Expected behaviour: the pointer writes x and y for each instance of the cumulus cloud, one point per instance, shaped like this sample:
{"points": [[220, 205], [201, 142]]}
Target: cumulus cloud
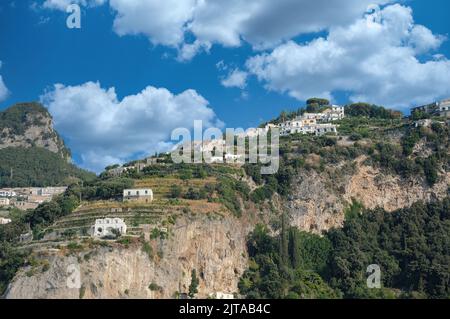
{"points": [[105, 130], [262, 23], [235, 78], [374, 58], [4, 92]]}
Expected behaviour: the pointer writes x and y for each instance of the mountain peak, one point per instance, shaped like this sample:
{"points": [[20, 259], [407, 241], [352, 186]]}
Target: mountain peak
{"points": [[30, 125]]}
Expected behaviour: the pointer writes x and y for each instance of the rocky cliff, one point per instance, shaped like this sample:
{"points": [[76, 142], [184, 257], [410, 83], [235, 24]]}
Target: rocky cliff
{"points": [[214, 247], [30, 125], [318, 200]]}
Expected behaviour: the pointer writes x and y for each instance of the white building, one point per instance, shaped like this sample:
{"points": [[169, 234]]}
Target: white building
{"points": [[104, 227], [144, 195], [322, 129], [233, 158], [313, 123], [215, 159], [52, 191], [444, 108], [7, 193], [4, 221], [4, 201]]}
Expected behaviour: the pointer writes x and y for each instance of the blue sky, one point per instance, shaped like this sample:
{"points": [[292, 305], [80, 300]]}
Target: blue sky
{"points": [[395, 55]]}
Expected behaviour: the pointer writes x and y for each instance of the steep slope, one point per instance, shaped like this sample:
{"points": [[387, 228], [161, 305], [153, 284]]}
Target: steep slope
{"points": [[31, 152], [386, 163], [214, 248], [318, 200], [30, 125]]}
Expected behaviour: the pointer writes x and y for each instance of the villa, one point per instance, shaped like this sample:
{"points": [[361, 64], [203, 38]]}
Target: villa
{"points": [[105, 227], [143, 195], [441, 108]]}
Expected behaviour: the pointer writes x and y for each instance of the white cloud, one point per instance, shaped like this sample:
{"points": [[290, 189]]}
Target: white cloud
{"points": [[262, 23], [105, 130], [4, 92], [375, 59], [63, 4], [163, 22], [235, 78]]}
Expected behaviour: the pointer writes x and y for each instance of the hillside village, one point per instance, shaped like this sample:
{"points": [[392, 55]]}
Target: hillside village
{"points": [[150, 201], [26, 198]]}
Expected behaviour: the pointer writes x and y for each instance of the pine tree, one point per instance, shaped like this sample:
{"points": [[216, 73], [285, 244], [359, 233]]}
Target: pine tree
{"points": [[193, 287], [284, 242]]}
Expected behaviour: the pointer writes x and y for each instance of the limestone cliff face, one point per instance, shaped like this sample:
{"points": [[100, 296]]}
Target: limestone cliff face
{"points": [[27, 125], [319, 199], [215, 248]]}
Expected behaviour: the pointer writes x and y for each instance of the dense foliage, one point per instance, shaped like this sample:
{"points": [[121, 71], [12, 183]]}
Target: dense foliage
{"points": [[107, 188], [10, 261], [19, 117], [371, 111], [25, 167], [286, 272], [411, 246]]}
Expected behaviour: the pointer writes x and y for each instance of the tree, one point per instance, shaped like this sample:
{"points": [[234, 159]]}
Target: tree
{"points": [[175, 191], [318, 101], [193, 287]]}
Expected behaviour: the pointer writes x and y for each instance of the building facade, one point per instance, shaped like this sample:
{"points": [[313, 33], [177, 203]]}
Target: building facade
{"points": [[4, 201], [108, 226], [441, 108], [7, 193], [143, 195], [4, 221], [314, 123]]}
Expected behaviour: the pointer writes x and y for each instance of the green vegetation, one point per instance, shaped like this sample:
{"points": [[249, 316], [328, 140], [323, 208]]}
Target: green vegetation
{"points": [[10, 261], [272, 275], [411, 246], [19, 117], [103, 188], [35, 166], [371, 111], [193, 287], [146, 248], [155, 287]]}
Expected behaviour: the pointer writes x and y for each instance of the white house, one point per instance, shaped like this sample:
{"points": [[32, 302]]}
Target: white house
{"points": [[313, 123], [4, 201], [104, 227], [215, 159], [144, 195], [4, 221], [7, 193], [233, 158], [322, 129], [444, 108]]}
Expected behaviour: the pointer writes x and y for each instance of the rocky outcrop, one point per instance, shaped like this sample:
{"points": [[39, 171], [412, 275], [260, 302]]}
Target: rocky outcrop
{"points": [[214, 248], [318, 200], [27, 125]]}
